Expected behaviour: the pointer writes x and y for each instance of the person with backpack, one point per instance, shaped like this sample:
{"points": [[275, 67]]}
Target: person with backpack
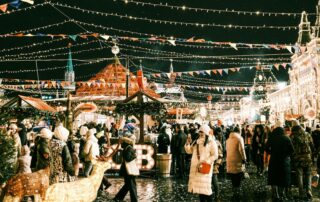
{"points": [[302, 159]]}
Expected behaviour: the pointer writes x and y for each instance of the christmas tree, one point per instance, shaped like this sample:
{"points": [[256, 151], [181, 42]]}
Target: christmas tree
{"points": [[7, 153]]}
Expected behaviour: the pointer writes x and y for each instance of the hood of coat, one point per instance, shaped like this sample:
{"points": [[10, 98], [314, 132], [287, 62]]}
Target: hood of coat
{"points": [[234, 135]]}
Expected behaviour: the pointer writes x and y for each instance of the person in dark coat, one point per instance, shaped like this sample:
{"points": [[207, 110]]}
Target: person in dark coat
{"points": [[316, 143], [280, 148], [257, 148], [181, 152], [128, 155], [163, 141], [22, 130], [173, 151]]}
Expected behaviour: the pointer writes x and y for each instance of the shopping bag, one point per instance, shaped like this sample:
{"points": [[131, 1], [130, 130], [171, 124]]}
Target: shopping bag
{"points": [[132, 168]]}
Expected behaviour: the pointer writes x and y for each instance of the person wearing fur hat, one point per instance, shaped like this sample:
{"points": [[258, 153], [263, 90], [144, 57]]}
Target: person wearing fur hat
{"points": [[128, 155], [61, 163], [90, 151], [25, 160], [204, 149], [42, 149]]}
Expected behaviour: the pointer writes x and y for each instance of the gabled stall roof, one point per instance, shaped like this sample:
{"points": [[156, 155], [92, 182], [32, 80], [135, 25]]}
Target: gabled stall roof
{"points": [[36, 103]]}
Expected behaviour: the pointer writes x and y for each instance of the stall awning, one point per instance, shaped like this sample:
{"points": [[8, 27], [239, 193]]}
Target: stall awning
{"points": [[37, 103], [289, 117]]}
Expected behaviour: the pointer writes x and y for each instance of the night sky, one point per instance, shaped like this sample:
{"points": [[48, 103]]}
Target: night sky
{"points": [[47, 15]]}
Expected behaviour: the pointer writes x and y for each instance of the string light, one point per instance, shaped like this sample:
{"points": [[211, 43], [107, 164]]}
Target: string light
{"points": [[31, 46], [158, 21], [181, 40], [49, 50], [217, 11], [25, 9], [24, 70]]}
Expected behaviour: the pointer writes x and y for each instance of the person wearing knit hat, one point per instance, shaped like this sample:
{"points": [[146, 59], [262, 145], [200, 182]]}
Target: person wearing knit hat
{"points": [[90, 151], [45, 133], [61, 133], [42, 144], [204, 149], [61, 162], [128, 155]]}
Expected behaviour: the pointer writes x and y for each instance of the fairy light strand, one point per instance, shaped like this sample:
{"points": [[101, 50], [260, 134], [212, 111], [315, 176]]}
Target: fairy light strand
{"points": [[219, 11], [168, 22]]}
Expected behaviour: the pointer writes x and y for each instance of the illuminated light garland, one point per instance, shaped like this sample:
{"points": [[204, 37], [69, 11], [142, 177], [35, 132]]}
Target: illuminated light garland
{"points": [[190, 92], [157, 21], [24, 9], [182, 40], [49, 50], [205, 10], [23, 70], [31, 46], [37, 28], [33, 92], [148, 50]]}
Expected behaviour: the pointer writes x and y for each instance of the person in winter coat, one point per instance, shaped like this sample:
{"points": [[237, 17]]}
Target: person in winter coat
{"points": [[90, 151], [257, 148], [302, 159], [181, 153], [204, 149], [128, 155], [163, 141], [13, 133], [216, 166], [43, 156], [316, 143], [61, 167], [280, 148], [25, 160], [236, 159]]}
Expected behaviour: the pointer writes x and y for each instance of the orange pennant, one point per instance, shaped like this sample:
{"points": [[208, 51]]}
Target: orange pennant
{"points": [[200, 41], [214, 71], [95, 35], [3, 7]]}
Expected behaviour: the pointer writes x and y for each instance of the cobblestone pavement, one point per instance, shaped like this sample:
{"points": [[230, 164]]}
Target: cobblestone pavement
{"points": [[254, 189]]}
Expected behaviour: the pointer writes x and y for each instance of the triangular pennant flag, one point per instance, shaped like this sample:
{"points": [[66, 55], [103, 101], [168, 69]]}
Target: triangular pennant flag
{"points": [[190, 73], [200, 41], [284, 65], [4, 7], [106, 37], [179, 74], [233, 45], [250, 67], [158, 75], [276, 66], [250, 45], [218, 89], [275, 47], [202, 72], [238, 69], [190, 40], [220, 71], [208, 71], [172, 42], [95, 35], [168, 75], [226, 70], [15, 4], [214, 71], [73, 37], [28, 1], [84, 36], [233, 69]]}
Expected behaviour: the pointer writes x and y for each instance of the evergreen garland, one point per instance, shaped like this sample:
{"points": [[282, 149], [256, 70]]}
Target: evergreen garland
{"points": [[134, 108], [7, 154]]}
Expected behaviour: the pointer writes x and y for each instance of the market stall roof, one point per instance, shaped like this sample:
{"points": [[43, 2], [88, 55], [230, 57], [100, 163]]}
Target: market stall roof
{"points": [[111, 81], [33, 102], [183, 111]]}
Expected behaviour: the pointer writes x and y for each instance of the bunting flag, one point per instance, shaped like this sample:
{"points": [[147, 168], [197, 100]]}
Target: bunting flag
{"points": [[172, 42], [15, 4], [214, 71], [4, 7], [105, 37], [276, 66], [233, 45], [226, 70], [220, 71], [73, 37], [28, 1], [190, 40], [208, 72]]}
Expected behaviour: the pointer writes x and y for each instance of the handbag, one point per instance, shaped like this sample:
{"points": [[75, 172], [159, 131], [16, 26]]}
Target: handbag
{"points": [[132, 168], [203, 167]]}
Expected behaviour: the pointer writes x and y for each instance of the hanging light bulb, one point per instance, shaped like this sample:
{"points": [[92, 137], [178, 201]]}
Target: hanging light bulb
{"points": [[115, 49]]}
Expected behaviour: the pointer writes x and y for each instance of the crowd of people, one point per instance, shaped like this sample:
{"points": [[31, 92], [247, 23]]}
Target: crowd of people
{"points": [[287, 155]]}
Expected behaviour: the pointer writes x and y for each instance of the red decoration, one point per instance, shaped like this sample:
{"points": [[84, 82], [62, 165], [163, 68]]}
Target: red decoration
{"points": [[140, 79], [209, 98]]}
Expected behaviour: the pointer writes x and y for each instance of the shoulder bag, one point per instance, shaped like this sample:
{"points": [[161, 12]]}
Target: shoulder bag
{"points": [[203, 167]]}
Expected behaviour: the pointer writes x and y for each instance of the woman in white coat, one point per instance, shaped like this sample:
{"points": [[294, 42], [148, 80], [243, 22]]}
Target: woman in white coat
{"points": [[236, 158], [208, 151]]}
